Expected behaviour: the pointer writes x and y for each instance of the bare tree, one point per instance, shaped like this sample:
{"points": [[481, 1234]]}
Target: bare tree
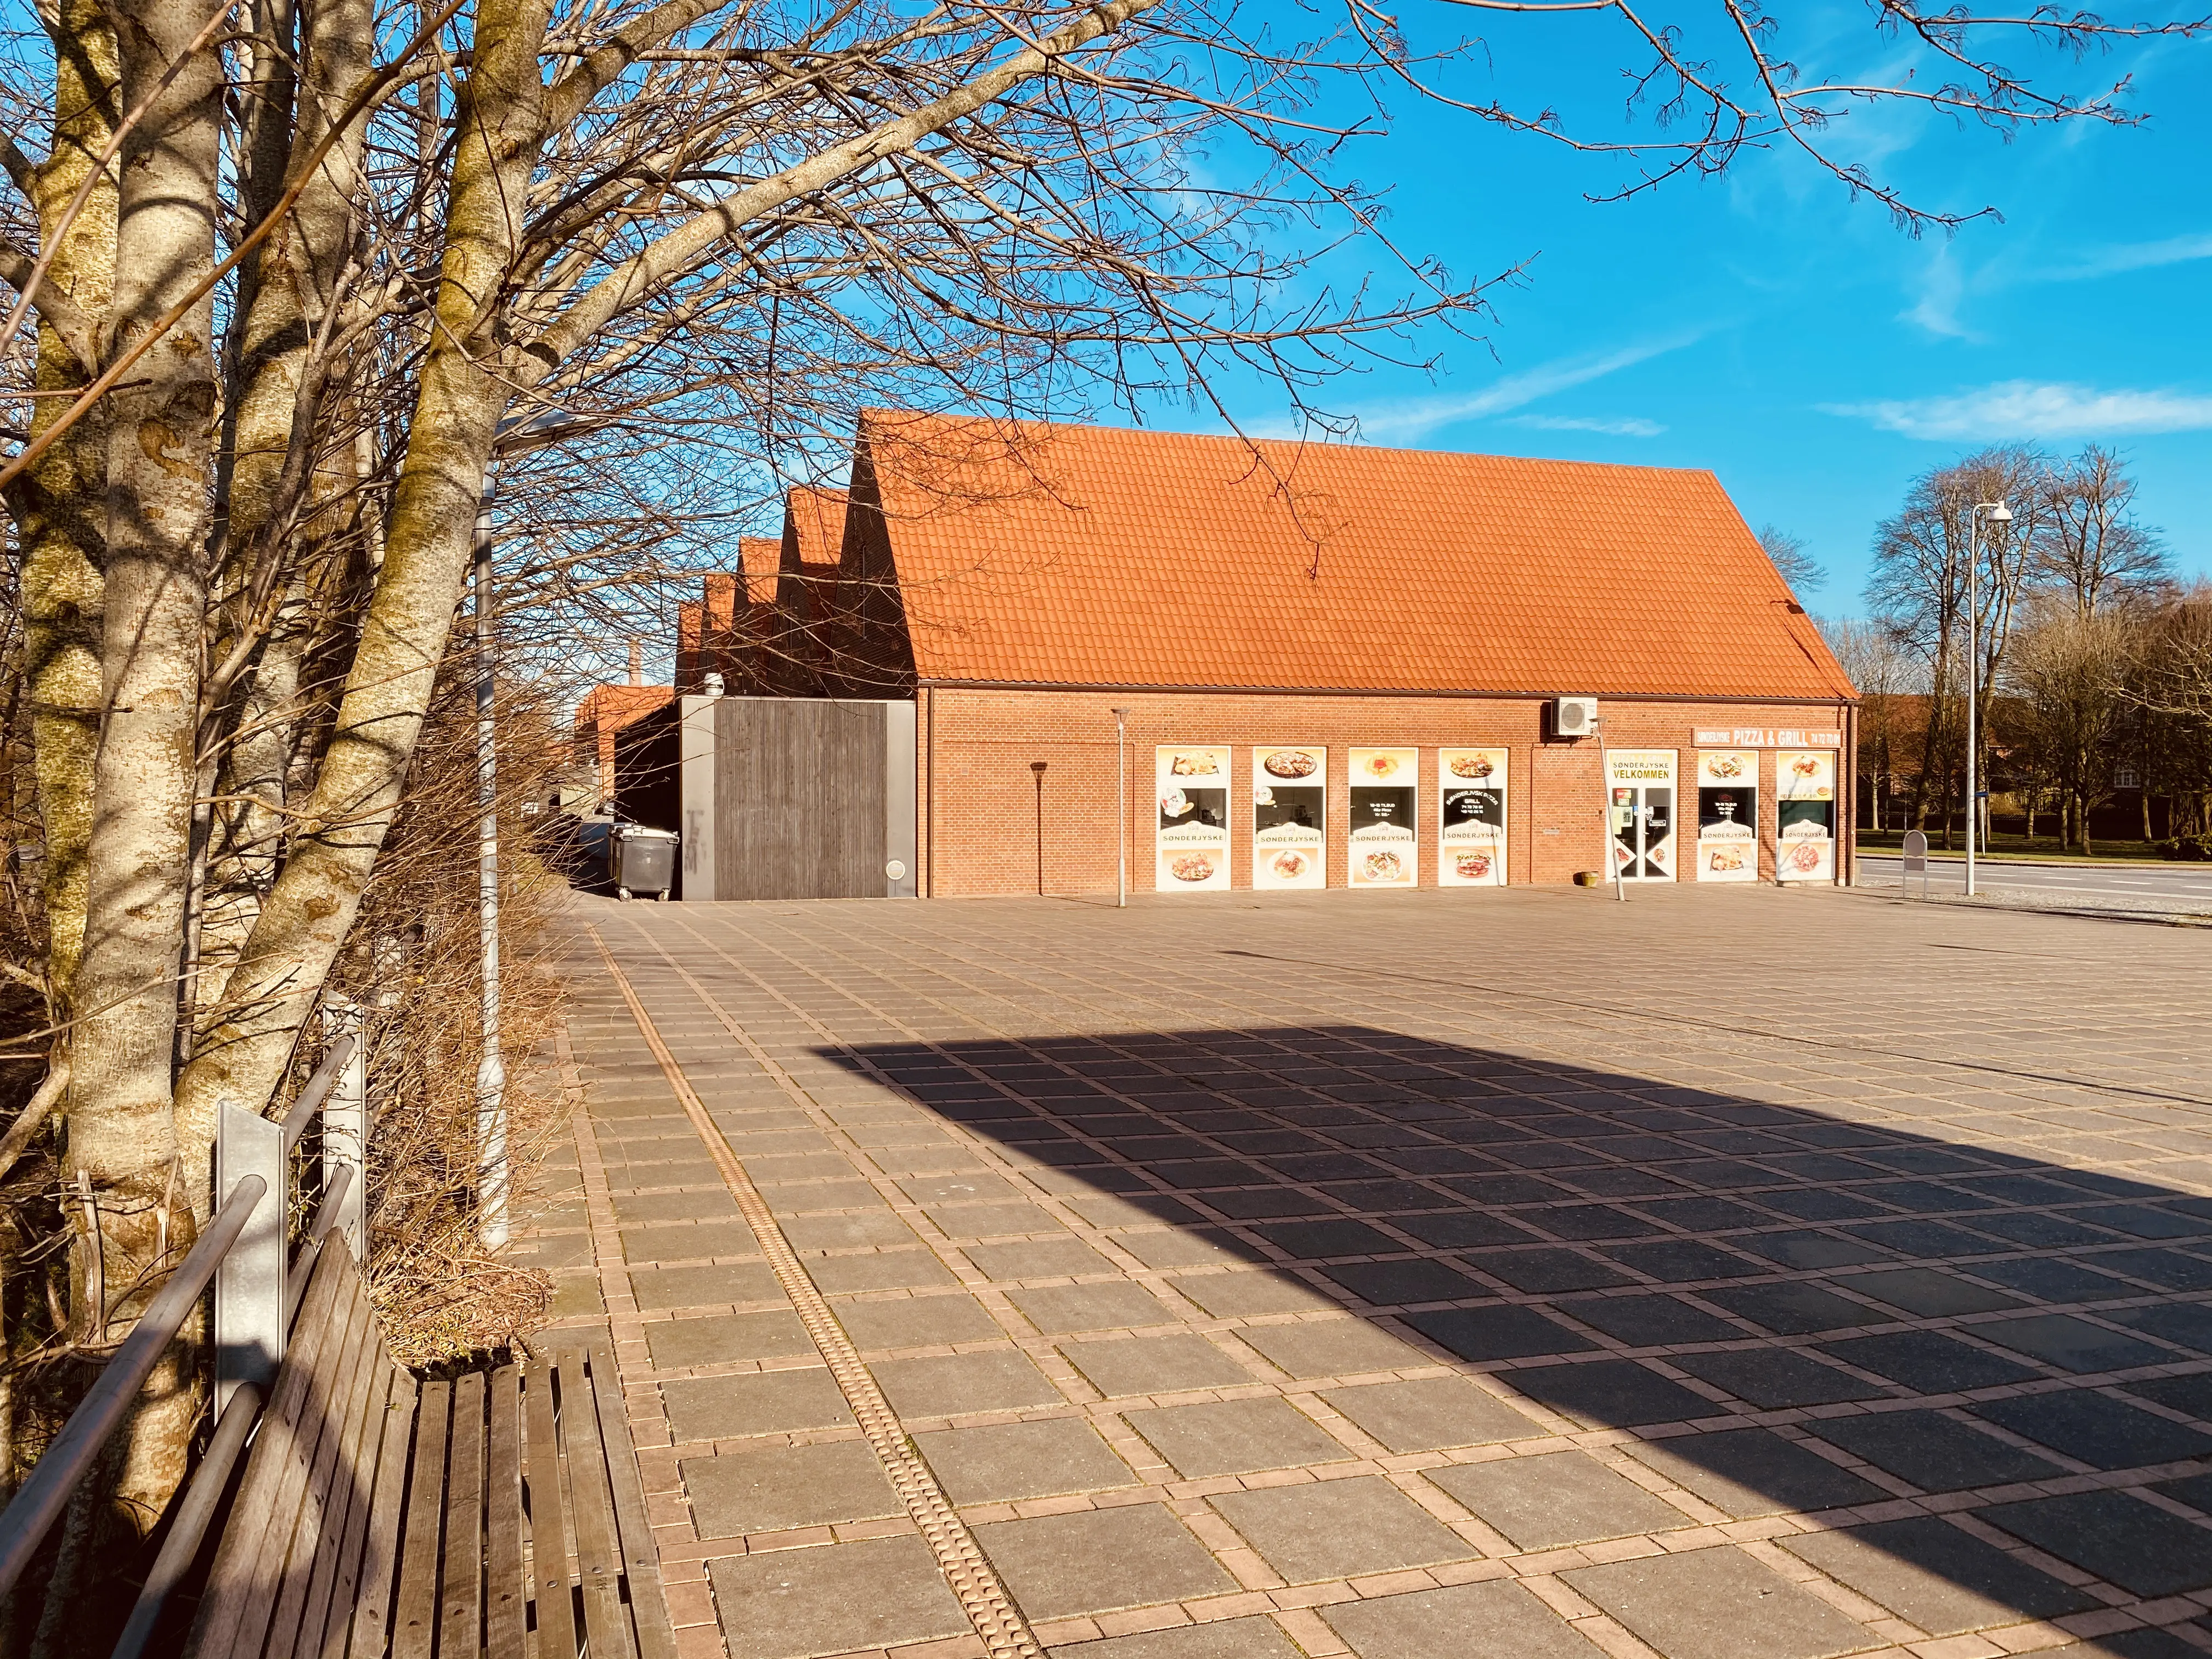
{"points": [[1918, 591], [2070, 669], [2090, 546], [1799, 568], [1887, 677]]}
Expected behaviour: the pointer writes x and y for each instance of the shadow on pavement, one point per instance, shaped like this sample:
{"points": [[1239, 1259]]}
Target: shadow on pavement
{"points": [[1793, 1313]]}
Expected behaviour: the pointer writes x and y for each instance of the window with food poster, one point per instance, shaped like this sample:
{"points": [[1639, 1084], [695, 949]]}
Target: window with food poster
{"points": [[1805, 815], [1384, 800], [1193, 837], [1727, 815], [1640, 808], [1289, 817], [1471, 817]]}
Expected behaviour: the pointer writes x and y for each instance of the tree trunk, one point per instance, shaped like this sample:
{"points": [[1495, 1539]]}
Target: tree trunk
{"points": [[61, 529], [428, 536], [123, 1150], [274, 554]]}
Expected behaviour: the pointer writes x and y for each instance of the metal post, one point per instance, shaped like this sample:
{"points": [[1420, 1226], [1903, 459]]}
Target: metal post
{"points": [[1122, 809], [250, 1315], [492, 1071], [345, 1125], [1973, 683], [1605, 819]]}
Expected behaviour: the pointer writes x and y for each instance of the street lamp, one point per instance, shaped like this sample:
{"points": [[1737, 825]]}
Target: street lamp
{"points": [[1122, 809], [1999, 513], [516, 435]]}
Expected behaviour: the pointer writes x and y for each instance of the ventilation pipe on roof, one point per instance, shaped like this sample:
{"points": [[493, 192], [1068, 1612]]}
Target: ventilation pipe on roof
{"points": [[637, 662], [713, 685]]}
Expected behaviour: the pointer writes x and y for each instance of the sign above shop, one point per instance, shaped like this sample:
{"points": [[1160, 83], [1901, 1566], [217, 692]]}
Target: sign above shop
{"points": [[1766, 736]]}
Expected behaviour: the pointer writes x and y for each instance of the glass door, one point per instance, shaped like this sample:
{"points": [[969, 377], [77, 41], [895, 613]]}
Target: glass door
{"points": [[1640, 791]]}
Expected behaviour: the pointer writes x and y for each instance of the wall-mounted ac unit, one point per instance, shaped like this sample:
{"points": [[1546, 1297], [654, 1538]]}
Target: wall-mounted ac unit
{"points": [[1574, 717]]}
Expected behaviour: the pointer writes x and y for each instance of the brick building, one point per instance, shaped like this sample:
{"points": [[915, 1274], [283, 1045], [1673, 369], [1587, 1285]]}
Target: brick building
{"points": [[1337, 665]]}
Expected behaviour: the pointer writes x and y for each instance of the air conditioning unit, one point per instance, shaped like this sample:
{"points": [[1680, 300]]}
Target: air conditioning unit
{"points": [[1574, 717]]}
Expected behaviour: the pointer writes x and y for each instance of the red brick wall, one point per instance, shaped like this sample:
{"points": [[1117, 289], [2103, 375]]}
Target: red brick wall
{"points": [[990, 824]]}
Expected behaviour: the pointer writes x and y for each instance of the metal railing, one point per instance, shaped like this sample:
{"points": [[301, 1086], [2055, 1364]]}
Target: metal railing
{"points": [[258, 1270]]}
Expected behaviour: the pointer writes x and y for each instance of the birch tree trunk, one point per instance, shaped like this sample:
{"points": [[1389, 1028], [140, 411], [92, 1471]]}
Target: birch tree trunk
{"points": [[122, 1145]]}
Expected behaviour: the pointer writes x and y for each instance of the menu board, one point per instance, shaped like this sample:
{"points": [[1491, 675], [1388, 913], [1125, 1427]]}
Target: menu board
{"points": [[1805, 815], [1192, 841], [1727, 815], [1640, 807], [1384, 789], [1290, 817], [1471, 825]]}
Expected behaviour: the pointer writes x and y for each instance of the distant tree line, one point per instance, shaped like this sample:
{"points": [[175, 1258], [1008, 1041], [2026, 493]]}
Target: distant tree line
{"points": [[2091, 664]]}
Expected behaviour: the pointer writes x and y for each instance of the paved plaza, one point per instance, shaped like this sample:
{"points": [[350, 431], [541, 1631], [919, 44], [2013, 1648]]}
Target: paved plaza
{"points": [[1734, 1273]]}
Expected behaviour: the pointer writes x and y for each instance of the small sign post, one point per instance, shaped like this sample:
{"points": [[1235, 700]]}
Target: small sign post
{"points": [[1916, 862]]}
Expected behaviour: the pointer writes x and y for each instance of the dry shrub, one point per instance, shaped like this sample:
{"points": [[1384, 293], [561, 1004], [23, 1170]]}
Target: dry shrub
{"points": [[415, 966]]}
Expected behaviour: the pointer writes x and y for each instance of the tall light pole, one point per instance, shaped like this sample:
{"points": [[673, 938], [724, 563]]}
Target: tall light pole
{"points": [[516, 435], [1999, 513], [1122, 809], [491, 1069]]}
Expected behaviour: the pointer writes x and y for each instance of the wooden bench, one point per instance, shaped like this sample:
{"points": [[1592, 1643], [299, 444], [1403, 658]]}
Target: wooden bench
{"points": [[499, 1513]]}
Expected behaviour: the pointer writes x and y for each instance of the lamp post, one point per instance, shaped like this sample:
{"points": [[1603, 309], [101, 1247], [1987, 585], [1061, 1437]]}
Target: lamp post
{"points": [[515, 436], [1122, 809], [1999, 513]]}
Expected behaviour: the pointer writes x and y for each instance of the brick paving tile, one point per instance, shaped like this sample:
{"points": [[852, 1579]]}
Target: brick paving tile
{"points": [[1233, 1638], [1470, 1621], [1095, 1561], [1543, 1502], [1840, 1291], [1339, 1528], [1718, 1604], [798, 1604], [1940, 1576]]}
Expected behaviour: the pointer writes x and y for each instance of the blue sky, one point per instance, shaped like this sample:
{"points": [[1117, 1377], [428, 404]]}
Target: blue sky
{"points": [[1764, 327]]}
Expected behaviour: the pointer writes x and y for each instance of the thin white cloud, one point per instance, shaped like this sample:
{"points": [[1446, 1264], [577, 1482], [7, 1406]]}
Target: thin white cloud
{"points": [[1417, 418], [1943, 290], [2133, 256], [1633, 427], [2031, 409]]}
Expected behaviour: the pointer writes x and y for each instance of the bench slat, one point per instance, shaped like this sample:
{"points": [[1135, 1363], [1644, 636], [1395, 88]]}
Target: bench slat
{"points": [[460, 1579], [414, 1623], [640, 1558], [548, 1543], [255, 1546], [369, 1630], [506, 1588], [332, 1607], [325, 1500], [598, 1569]]}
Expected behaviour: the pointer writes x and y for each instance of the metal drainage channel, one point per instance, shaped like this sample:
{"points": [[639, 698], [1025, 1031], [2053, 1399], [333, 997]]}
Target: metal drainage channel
{"points": [[972, 1578]]}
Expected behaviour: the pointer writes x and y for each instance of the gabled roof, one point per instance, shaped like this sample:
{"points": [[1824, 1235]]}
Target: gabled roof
{"points": [[1028, 553]]}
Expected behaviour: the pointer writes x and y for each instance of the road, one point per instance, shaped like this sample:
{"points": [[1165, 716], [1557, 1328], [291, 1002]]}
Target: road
{"points": [[2184, 887]]}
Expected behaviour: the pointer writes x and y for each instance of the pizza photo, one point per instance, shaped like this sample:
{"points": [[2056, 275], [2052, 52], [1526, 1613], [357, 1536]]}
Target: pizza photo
{"points": [[1383, 866], [1290, 863], [1191, 867], [1289, 763], [1471, 766]]}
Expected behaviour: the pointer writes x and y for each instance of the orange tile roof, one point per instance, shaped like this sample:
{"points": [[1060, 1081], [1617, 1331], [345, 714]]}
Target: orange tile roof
{"points": [[1047, 554]]}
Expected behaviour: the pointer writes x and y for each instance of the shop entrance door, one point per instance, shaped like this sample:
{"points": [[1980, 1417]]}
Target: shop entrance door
{"points": [[1641, 786]]}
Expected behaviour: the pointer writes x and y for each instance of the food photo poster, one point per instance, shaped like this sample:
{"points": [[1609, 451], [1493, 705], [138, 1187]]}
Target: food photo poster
{"points": [[1727, 815], [1290, 817], [1805, 815], [1192, 839], [1471, 817], [1383, 794]]}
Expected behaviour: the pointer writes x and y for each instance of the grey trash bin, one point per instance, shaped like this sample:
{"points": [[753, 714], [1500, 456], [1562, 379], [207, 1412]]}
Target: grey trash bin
{"points": [[644, 860]]}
